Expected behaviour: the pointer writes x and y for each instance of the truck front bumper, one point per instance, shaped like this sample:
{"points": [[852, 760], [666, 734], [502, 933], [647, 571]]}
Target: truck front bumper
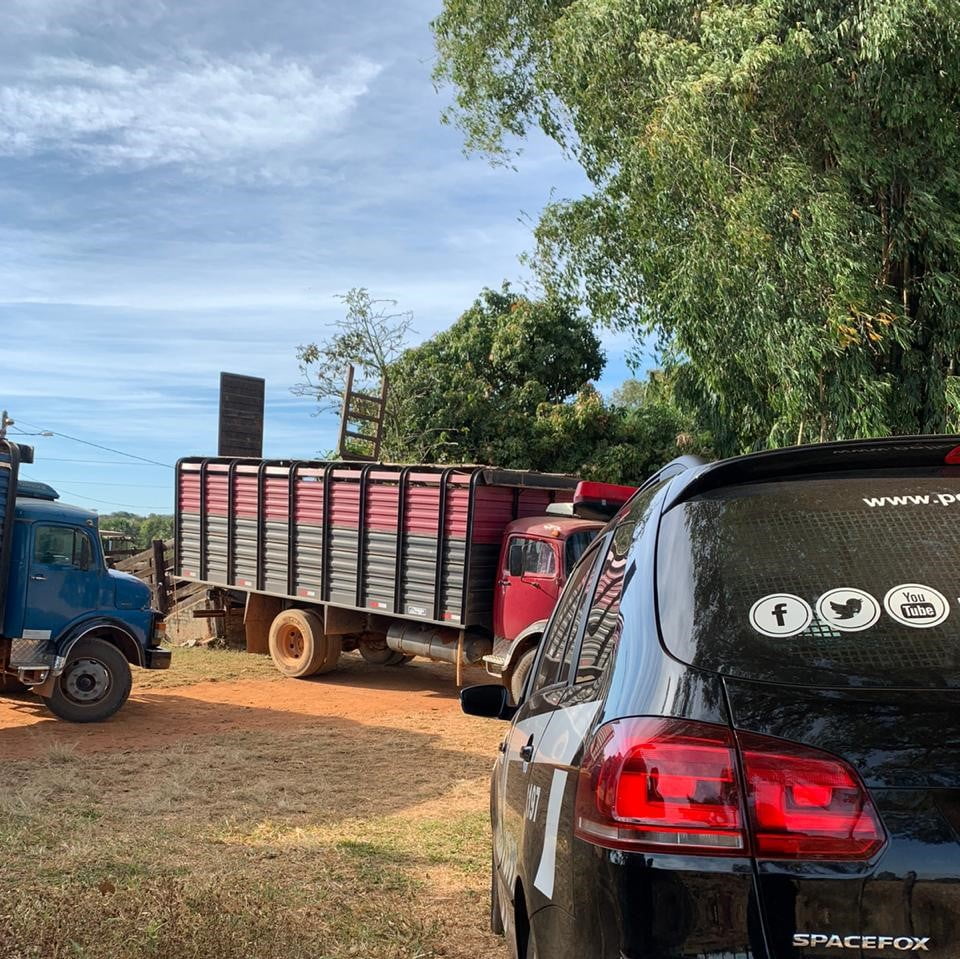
{"points": [[156, 658]]}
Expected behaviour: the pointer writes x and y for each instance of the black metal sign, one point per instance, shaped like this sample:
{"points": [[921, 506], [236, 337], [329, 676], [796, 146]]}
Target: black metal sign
{"points": [[241, 415]]}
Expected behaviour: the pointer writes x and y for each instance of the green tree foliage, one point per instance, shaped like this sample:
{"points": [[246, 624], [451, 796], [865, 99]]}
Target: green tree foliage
{"points": [[371, 336], [471, 392], [143, 530], [509, 384], [776, 190]]}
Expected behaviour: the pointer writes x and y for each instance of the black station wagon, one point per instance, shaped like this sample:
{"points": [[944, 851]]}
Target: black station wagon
{"points": [[741, 735]]}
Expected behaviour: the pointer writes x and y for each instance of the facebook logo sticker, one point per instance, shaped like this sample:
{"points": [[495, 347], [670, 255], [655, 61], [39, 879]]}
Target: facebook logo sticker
{"points": [[780, 614]]}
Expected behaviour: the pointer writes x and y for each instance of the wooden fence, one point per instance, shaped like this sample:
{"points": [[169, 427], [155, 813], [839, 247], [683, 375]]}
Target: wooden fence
{"points": [[154, 567]]}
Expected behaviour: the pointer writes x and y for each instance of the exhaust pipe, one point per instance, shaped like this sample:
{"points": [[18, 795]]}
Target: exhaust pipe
{"points": [[435, 642]]}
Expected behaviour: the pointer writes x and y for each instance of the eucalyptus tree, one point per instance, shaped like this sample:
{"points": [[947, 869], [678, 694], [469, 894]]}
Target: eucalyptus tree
{"points": [[775, 190]]}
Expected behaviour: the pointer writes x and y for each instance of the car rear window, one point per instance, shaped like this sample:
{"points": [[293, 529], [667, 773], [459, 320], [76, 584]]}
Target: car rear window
{"points": [[840, 581]]}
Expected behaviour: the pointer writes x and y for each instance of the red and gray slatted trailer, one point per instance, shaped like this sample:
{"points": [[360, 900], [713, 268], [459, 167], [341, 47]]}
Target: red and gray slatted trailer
{"points": [[411, 545]]}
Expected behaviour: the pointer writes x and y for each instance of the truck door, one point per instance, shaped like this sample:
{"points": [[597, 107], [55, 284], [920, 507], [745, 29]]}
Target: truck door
{"points": [[528, 586], [62, 582]]}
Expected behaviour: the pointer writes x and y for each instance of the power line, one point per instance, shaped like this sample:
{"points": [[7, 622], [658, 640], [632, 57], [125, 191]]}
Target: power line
{"points": [[108, 449], [60, 459], [74, 482], [107, 502]]}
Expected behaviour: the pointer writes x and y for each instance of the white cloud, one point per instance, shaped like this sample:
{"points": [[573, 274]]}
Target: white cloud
{"points": [[58, 17], [211, 115]]}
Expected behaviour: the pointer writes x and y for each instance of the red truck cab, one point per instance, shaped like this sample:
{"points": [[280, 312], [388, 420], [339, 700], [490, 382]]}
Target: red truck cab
{"points": [[536, 558], [535, 561]]}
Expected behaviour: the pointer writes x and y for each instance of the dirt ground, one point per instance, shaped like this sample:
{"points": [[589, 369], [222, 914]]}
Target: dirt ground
{"points": [[226, 812]]}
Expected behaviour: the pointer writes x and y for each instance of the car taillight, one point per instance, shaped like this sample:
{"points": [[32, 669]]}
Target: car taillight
{"points": [[661, 784], [672, 785], [805, 804]]}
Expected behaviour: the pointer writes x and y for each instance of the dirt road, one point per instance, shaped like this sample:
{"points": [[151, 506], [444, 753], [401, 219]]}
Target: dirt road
{"points": [[220, 816], [356, 692]]}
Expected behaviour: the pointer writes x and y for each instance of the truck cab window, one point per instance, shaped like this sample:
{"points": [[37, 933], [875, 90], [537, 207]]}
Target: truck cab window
{"points": [[82, 550], [62, 546], [531, 557], [53, 546], [576, 546]]}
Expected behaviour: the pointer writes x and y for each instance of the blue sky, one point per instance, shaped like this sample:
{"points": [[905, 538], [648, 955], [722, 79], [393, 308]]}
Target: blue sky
{"points": [[187, 187]]}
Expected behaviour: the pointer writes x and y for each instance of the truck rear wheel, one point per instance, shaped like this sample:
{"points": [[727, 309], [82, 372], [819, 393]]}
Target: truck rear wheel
{"points": [[94, 684], [298, 645], [380, 654]]}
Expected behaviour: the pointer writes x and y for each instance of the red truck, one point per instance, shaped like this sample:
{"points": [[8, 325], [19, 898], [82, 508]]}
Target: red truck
{"points": [[458, 564]]}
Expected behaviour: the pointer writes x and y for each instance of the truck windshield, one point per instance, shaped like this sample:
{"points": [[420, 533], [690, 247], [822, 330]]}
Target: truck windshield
{"points": [[828, 582], [576, 546]]}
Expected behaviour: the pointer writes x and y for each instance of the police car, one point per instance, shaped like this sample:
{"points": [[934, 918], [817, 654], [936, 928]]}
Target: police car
{"points": [[741, 735]]}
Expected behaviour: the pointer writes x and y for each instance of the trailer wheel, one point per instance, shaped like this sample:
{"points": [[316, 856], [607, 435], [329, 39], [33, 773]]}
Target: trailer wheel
{"points": [[94, 684], [519, 674], [298, 646]]}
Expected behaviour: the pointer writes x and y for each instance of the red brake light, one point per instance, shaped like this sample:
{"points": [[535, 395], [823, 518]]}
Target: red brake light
{"points": [[661, 784], [805, 804], [953, 457], [672, 785]]}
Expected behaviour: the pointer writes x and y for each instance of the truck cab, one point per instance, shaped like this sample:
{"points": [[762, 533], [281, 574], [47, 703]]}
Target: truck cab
{"points": [[536, 559], [69, 626]]}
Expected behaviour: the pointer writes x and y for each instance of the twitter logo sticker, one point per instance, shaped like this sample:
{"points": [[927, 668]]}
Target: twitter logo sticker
{"points": [[848, 610]]}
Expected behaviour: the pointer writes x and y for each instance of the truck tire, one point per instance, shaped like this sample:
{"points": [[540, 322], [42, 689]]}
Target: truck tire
{"points": [[334, 647], [94, 684], [377, 654], [519, 674], [298, 646]]}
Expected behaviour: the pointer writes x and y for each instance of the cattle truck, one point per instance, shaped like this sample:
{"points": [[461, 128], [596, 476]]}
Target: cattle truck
{"points": [[459, 564], [69, 626]]}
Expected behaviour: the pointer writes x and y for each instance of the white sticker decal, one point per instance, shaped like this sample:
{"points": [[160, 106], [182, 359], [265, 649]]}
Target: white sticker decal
{"points": [[848, 610], [546, 872], [780, 614], [914, 605]]}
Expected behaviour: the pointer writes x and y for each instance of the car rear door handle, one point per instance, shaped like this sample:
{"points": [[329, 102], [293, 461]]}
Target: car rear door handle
{"points": [[526, 752], [503, 582], [39, 578]]}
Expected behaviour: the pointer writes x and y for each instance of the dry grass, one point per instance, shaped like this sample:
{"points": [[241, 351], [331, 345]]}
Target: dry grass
{"points": [[201, 664], [336, 838]]}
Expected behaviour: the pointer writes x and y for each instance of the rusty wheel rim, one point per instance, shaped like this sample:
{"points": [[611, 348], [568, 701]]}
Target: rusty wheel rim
{"points": [[291, 645]]}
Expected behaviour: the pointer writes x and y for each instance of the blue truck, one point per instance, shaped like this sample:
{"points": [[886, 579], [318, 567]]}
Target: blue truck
{"points": [[69, 626]]}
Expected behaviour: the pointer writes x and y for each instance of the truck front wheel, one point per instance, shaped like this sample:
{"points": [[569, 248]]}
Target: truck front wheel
{"points": [[518, 675], [94, 684], [299, 647]]}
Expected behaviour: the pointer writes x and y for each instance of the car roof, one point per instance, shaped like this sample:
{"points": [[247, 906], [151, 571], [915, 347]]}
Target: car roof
{"points": [[894, 453]]}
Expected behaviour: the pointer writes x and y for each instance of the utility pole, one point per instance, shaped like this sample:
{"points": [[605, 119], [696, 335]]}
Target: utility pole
{"points": [[5, 421]]}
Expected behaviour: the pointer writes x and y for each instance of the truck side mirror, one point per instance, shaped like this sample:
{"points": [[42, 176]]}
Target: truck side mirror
{"points": [[488, 701], [515, 560]]}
